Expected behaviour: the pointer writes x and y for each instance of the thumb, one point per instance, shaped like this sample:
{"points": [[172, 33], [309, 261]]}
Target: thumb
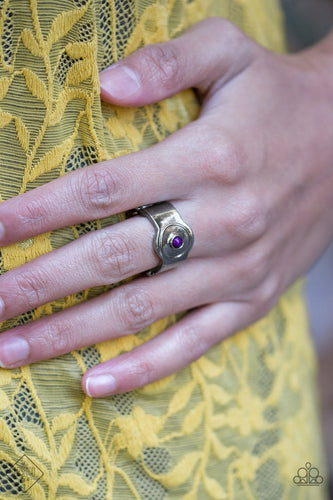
{"points": [[211, 51]]}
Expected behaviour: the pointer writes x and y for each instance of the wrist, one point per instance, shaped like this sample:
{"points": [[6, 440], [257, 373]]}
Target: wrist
{"points": [[320, 58], [312, 69]]}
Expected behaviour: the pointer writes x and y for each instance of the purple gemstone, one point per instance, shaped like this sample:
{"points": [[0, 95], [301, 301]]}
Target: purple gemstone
{"points": [[177, 242]]}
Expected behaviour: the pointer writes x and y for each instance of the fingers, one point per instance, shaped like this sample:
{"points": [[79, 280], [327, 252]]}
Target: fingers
{"points": [[100, 190], [168, 352], [100, 258], [120, 251], [211, 50], [121, 311], [195, 158]]}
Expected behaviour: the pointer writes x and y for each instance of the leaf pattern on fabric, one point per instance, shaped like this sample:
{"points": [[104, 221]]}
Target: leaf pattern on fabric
{"points": [[223, 427]]}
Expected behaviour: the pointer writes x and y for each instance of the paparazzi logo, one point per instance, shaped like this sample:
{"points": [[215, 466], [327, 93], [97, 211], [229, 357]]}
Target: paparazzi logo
{"points": [[308, 476]]}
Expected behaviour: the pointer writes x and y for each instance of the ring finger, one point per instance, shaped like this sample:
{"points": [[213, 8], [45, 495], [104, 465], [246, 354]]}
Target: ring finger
{"points": [[103, 257]]}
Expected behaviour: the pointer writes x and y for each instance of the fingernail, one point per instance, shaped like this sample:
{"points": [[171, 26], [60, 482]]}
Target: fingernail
{"points": [[118, 81], [2, 231], [100, 385], [12, 351]]}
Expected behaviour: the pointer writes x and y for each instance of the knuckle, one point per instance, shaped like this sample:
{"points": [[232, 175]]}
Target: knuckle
{"points": [[33, 212], [137, 309], [56, 338], [162, 63], [223, 162], [213, 22], [267, 294], [254, 266], [191, 341], [249, 221], [32, 288], [232, 31], [229, 32], [219, 23], [143, 371], [113, 256], [98, 189]]}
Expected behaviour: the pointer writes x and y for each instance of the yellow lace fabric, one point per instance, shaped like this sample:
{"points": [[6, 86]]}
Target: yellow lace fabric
{"points": [[236, 424]]}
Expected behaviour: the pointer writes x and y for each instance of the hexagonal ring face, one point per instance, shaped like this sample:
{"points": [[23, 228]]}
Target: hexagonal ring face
{"points": [[173, 237]]}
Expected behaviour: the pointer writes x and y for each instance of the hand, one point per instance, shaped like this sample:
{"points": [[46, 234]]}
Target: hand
{"points": [[252, 176]]}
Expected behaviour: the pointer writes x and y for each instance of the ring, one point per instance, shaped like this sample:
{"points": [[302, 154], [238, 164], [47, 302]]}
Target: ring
{"points": [[173, 237]]}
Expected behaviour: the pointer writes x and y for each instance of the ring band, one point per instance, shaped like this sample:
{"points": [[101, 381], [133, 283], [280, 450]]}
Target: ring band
{"points": [[173, 237]]}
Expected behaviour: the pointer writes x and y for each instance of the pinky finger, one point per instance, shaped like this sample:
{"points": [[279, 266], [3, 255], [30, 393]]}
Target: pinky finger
{"points": [[168, 352]]}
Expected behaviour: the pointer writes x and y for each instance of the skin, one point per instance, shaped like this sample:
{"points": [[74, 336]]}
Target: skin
{"points": [[252, 176]]}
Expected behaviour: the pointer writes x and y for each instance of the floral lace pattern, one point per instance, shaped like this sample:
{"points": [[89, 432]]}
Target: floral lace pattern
{"points": [[223, 427]]}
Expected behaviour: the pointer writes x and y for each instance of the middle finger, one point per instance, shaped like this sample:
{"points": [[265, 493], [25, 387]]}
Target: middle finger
{"points": [[99, 258], [104, 257]]}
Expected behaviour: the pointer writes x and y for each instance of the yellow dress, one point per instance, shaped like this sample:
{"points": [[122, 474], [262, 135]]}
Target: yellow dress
{"points": [[236, 424]]}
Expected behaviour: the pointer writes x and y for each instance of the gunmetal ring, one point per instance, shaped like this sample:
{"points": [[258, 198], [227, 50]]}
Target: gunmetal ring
{"points": [[173, 237]]}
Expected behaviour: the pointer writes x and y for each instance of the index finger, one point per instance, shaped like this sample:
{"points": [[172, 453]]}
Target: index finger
{"points": [[97, 191]]}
